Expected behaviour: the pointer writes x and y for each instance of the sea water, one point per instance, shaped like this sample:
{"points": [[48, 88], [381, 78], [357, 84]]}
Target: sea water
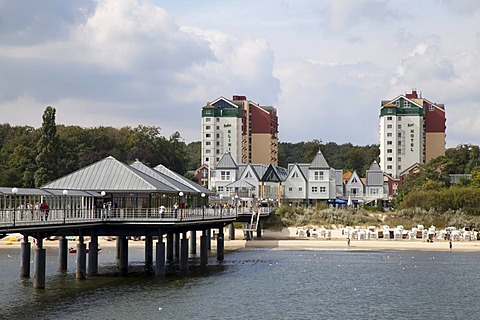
{"points": [[253, 284]]}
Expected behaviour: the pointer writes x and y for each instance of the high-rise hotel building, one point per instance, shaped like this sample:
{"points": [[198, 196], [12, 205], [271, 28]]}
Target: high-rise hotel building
{"points": [[239, 126], [412, 131]]}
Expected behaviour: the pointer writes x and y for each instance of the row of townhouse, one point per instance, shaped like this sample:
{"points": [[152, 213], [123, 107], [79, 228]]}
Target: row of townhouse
{"points": [[299, 183]]}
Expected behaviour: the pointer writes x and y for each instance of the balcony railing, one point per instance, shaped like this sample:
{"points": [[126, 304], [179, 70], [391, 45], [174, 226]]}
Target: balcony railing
{"points": [[10, 217]]}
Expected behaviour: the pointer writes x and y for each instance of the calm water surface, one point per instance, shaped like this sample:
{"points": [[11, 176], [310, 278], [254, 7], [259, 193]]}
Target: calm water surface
{"points": [[254, 284]]}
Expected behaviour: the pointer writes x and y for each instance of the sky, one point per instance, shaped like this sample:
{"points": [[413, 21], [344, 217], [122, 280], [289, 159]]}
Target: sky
{"points": [[325, 65]]}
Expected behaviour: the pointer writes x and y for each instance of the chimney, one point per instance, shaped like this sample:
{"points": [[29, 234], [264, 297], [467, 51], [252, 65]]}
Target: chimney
{"points": [[239, 98]]}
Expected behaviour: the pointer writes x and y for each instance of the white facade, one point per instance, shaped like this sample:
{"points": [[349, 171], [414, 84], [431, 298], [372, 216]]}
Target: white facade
{"points": [[296, 184], [401, 136]]}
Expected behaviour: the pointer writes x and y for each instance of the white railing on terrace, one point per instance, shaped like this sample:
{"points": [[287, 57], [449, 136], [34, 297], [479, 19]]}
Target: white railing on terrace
{"points": [[10, 218]]}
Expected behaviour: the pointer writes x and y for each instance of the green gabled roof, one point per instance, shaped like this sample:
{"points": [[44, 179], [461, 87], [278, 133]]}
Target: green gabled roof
{"points": [[390, 108]]}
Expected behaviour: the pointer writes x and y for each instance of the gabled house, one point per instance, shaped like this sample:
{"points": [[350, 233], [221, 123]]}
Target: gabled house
{"points": [[354, 187], [295, 186], [375, 187], [225, 172]]}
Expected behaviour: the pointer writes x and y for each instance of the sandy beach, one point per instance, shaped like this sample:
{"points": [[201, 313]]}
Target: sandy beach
{"points": [[284, 240]]}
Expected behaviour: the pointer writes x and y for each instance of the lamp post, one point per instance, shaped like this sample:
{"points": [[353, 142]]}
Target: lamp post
{"points": [[14, 191], [103, 193], [180, 195], [203, 205], [65, 193], [236, 205]]}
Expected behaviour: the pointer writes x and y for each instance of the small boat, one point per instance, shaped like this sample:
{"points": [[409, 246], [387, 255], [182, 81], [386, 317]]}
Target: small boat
{"points": [[74, 250]]}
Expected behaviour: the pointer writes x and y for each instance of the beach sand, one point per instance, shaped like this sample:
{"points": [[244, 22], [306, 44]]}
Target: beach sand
{"points": [[287, 240]]}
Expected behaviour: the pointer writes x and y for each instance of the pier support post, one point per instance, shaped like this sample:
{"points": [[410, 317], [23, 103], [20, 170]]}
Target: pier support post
{"points": [[93, 255], [81, 259], [193, 242], [209, 239], [220, 245], [184, 252], [176, 245], [169, 246], [148, 253], [160, 258], [231, 229], [259, 230], [204, 248], [63, 253], [39, 265], [25, 260], [118, 247], [123, 255]]}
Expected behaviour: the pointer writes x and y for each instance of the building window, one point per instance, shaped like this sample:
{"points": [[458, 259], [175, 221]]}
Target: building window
{"points": [[208, 135], [389, 167], [399, 159], [208, 119], [207, 143], [399, 134], [314, 189], [389, 126], [399, 118], [218, 151], [225, 175], [220, 189], [389, 111], [207, 159], [399, 167], [218, 143], [290, 189], [207, 151], [399, 126], [389, 159], [318, 175], [389, 142], [218, 159], [207, 127], [399, 143], [218, 135], [218, 119], [389, 118], [323, 189], [389, 134], [300, 189], [431, 108], [389, 150], [218, 127], [406, 104], [295, 175], [399, 150], [397, 103]]}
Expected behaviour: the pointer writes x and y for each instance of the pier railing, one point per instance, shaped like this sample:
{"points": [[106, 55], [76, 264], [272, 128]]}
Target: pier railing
{"points": [[10, 218]]}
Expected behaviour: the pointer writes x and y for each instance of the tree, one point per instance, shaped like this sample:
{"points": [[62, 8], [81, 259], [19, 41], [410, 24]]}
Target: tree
{"points": [[47, 149]]}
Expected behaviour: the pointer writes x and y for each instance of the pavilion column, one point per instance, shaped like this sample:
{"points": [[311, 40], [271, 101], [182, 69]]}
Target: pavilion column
{"points": [[220, 245], [63, 253], [39, 265], [204, 247], [25, 258]]}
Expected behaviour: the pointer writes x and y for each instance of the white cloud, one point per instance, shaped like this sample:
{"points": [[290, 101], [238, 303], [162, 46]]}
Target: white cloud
{"points": [[325, 65]]}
